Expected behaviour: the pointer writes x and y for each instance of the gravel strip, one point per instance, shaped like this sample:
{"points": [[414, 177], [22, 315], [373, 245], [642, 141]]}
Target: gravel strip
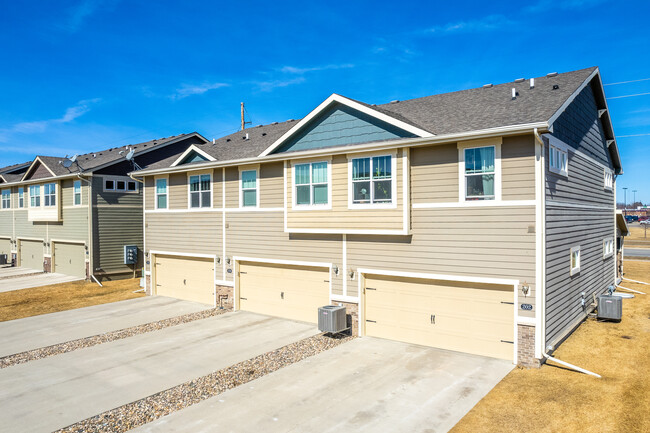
{"points": [[10, 277], [57, 349], [156, 406]]}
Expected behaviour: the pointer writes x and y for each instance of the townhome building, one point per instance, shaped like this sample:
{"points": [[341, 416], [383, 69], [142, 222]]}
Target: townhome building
{"points": [[76, 215], [479, 221]]}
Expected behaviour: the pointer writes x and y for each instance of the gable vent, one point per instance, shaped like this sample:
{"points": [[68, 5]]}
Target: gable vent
{"points": [[551, 74]]}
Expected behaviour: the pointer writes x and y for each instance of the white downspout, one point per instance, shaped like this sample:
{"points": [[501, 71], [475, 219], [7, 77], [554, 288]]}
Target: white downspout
{"points": [[90, 230], [540, 226], [571, 366]]}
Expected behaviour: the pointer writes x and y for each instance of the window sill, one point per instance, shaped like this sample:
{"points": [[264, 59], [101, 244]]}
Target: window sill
{"points": [[372, 206], [308, 207], [559, 172]]}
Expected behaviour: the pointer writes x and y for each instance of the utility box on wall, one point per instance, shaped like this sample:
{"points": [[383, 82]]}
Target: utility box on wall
{"points": [[130, 254]]}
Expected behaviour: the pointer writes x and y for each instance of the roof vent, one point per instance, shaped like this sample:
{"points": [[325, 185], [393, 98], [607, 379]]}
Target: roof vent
{"points": [[514, 93], [245, 137], [532, 83], [394, 101], [520, 80], [94, 155], [214, 141], [555, 87], [290, 120], [274, 123], [551, 74], [487, 86], [227, 139], [263, 134]]}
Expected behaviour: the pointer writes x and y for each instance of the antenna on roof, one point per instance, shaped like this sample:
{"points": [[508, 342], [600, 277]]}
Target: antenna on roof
{"points": [[129, 157], [67, 162], [243, 121]]}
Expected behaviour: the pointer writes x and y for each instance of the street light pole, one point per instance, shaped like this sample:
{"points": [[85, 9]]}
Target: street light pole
{"points": [[634, 202], [625, 205]]}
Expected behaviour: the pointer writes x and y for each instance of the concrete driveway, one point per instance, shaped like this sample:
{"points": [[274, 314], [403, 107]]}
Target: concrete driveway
{"points": [[367, 385], [34, 280], [8, 271], [48, 329], [51, 393]]}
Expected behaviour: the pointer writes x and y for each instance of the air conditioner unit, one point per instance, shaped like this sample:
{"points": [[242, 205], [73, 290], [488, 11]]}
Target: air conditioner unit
{"points": [[3, 259], [610, 307], [332, 319]]}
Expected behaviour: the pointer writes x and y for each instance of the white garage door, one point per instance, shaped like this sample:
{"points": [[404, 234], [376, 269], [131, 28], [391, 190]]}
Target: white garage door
{"points": [[31, 254], [70, 259], [465, 317], [187, 278], [292, 292]]}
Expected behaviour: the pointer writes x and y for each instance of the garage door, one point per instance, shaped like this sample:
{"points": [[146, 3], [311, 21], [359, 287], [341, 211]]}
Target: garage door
{"points": [[465, 317], [31, 254], [187, 278], [70, 259], [291, 292], [5, 248]]}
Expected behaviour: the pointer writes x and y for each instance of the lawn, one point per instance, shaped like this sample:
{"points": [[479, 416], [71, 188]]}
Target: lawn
{"points": [[554, 399], [638, 237], [66, 296]]}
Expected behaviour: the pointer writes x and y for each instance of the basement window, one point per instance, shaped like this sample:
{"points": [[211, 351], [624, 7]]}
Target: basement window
{"points": [[558, 160], [575, 260], [200, 191]]}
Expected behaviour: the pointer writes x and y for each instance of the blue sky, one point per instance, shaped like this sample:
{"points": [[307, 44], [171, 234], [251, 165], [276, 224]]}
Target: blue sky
{"points": [[84, 75]]}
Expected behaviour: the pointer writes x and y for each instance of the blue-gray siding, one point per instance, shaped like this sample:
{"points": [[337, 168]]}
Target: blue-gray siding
{"points": [[339, 126]]}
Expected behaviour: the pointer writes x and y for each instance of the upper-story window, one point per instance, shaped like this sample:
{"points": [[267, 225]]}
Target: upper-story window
{"points": [[6, 199], [372, 180], [161, 193], [575, 260], [35, 196], [21, 197], [609, 179], [311, 184], [76, 192], [608, 247], [200, 191], [480, 171], [248, 188], [49, 194], [557, 160], [120, 185]]}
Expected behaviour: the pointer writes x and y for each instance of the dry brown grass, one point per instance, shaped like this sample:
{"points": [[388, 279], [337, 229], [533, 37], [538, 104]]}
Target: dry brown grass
{"points": [[554, 399], [638, 237], [66, 296]]}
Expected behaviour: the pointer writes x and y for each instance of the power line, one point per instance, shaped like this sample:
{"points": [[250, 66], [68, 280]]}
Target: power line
{"points": [[629, 96], [626, 82], [633, 135]]}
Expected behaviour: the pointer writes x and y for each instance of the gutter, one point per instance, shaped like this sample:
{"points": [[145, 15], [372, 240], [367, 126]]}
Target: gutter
{"points": [[375, 146]]}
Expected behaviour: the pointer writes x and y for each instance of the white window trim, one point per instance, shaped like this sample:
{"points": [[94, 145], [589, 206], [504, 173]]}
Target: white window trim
{"points": [[256, 169], [575, 270], [394, 176], [155, 191], [74, 193], [561, 148], [21, 190], [56, 195], [608, 176], [115, 179], [476, 144], [308, 207], [40, 198], [3, 199], [189, 192], [607, 254]]}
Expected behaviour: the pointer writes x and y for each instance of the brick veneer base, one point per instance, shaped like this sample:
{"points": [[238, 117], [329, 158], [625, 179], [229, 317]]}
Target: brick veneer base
{"points": [[47, 264], [225, 297], [526, 346]]}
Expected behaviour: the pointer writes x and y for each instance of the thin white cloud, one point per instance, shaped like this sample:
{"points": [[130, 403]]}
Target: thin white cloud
{"points": [[301, 71], [485, 24], [267, 86], [195, 89], [78, 14], [70, 114], [545, 5]]}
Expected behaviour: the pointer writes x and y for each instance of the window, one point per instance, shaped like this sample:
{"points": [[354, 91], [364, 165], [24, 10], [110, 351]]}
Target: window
{"points": [[109, 185], [21, 197], [372, 180], [120, 185], [76, 186], [608, 247], [575, 260], [200, 191], [49, 196], [6, 199], [35, 196], [557, 160], [609, 179], [131, 186], [161, 193], [480, 173], [311, 184], [249, 188]]}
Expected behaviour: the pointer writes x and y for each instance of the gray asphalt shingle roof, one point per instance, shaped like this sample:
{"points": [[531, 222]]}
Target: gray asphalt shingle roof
{"points": [[447, 113]]}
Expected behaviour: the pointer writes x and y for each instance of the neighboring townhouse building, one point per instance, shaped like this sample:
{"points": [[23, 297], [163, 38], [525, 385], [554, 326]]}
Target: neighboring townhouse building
{"points": [[75, 215], [471, 221]]}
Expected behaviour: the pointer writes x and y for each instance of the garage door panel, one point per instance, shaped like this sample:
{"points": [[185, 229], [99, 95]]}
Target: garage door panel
{"points": [[187, 278], [70, 259], [285, 291], [474, 318], [31, 254]]}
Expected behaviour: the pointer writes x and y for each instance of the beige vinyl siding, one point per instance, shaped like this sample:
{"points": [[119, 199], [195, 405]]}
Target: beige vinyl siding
{"points": [[114, 228], [518, 168], [272, 185], [340, 217], [177, 190], [489, 242], [434, 174], [232, 187], [6, 222], [261, 235], [5, 247], [28, 229], [217, 188]]}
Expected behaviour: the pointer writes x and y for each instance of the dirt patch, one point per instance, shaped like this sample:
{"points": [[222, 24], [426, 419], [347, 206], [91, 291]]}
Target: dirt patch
{"points": [[555, 399], [18, 304]]}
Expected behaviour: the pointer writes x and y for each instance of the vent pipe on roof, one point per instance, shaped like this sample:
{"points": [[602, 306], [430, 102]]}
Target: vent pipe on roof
{"points": [[532, 83], [214, 141], [514, 93]]}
